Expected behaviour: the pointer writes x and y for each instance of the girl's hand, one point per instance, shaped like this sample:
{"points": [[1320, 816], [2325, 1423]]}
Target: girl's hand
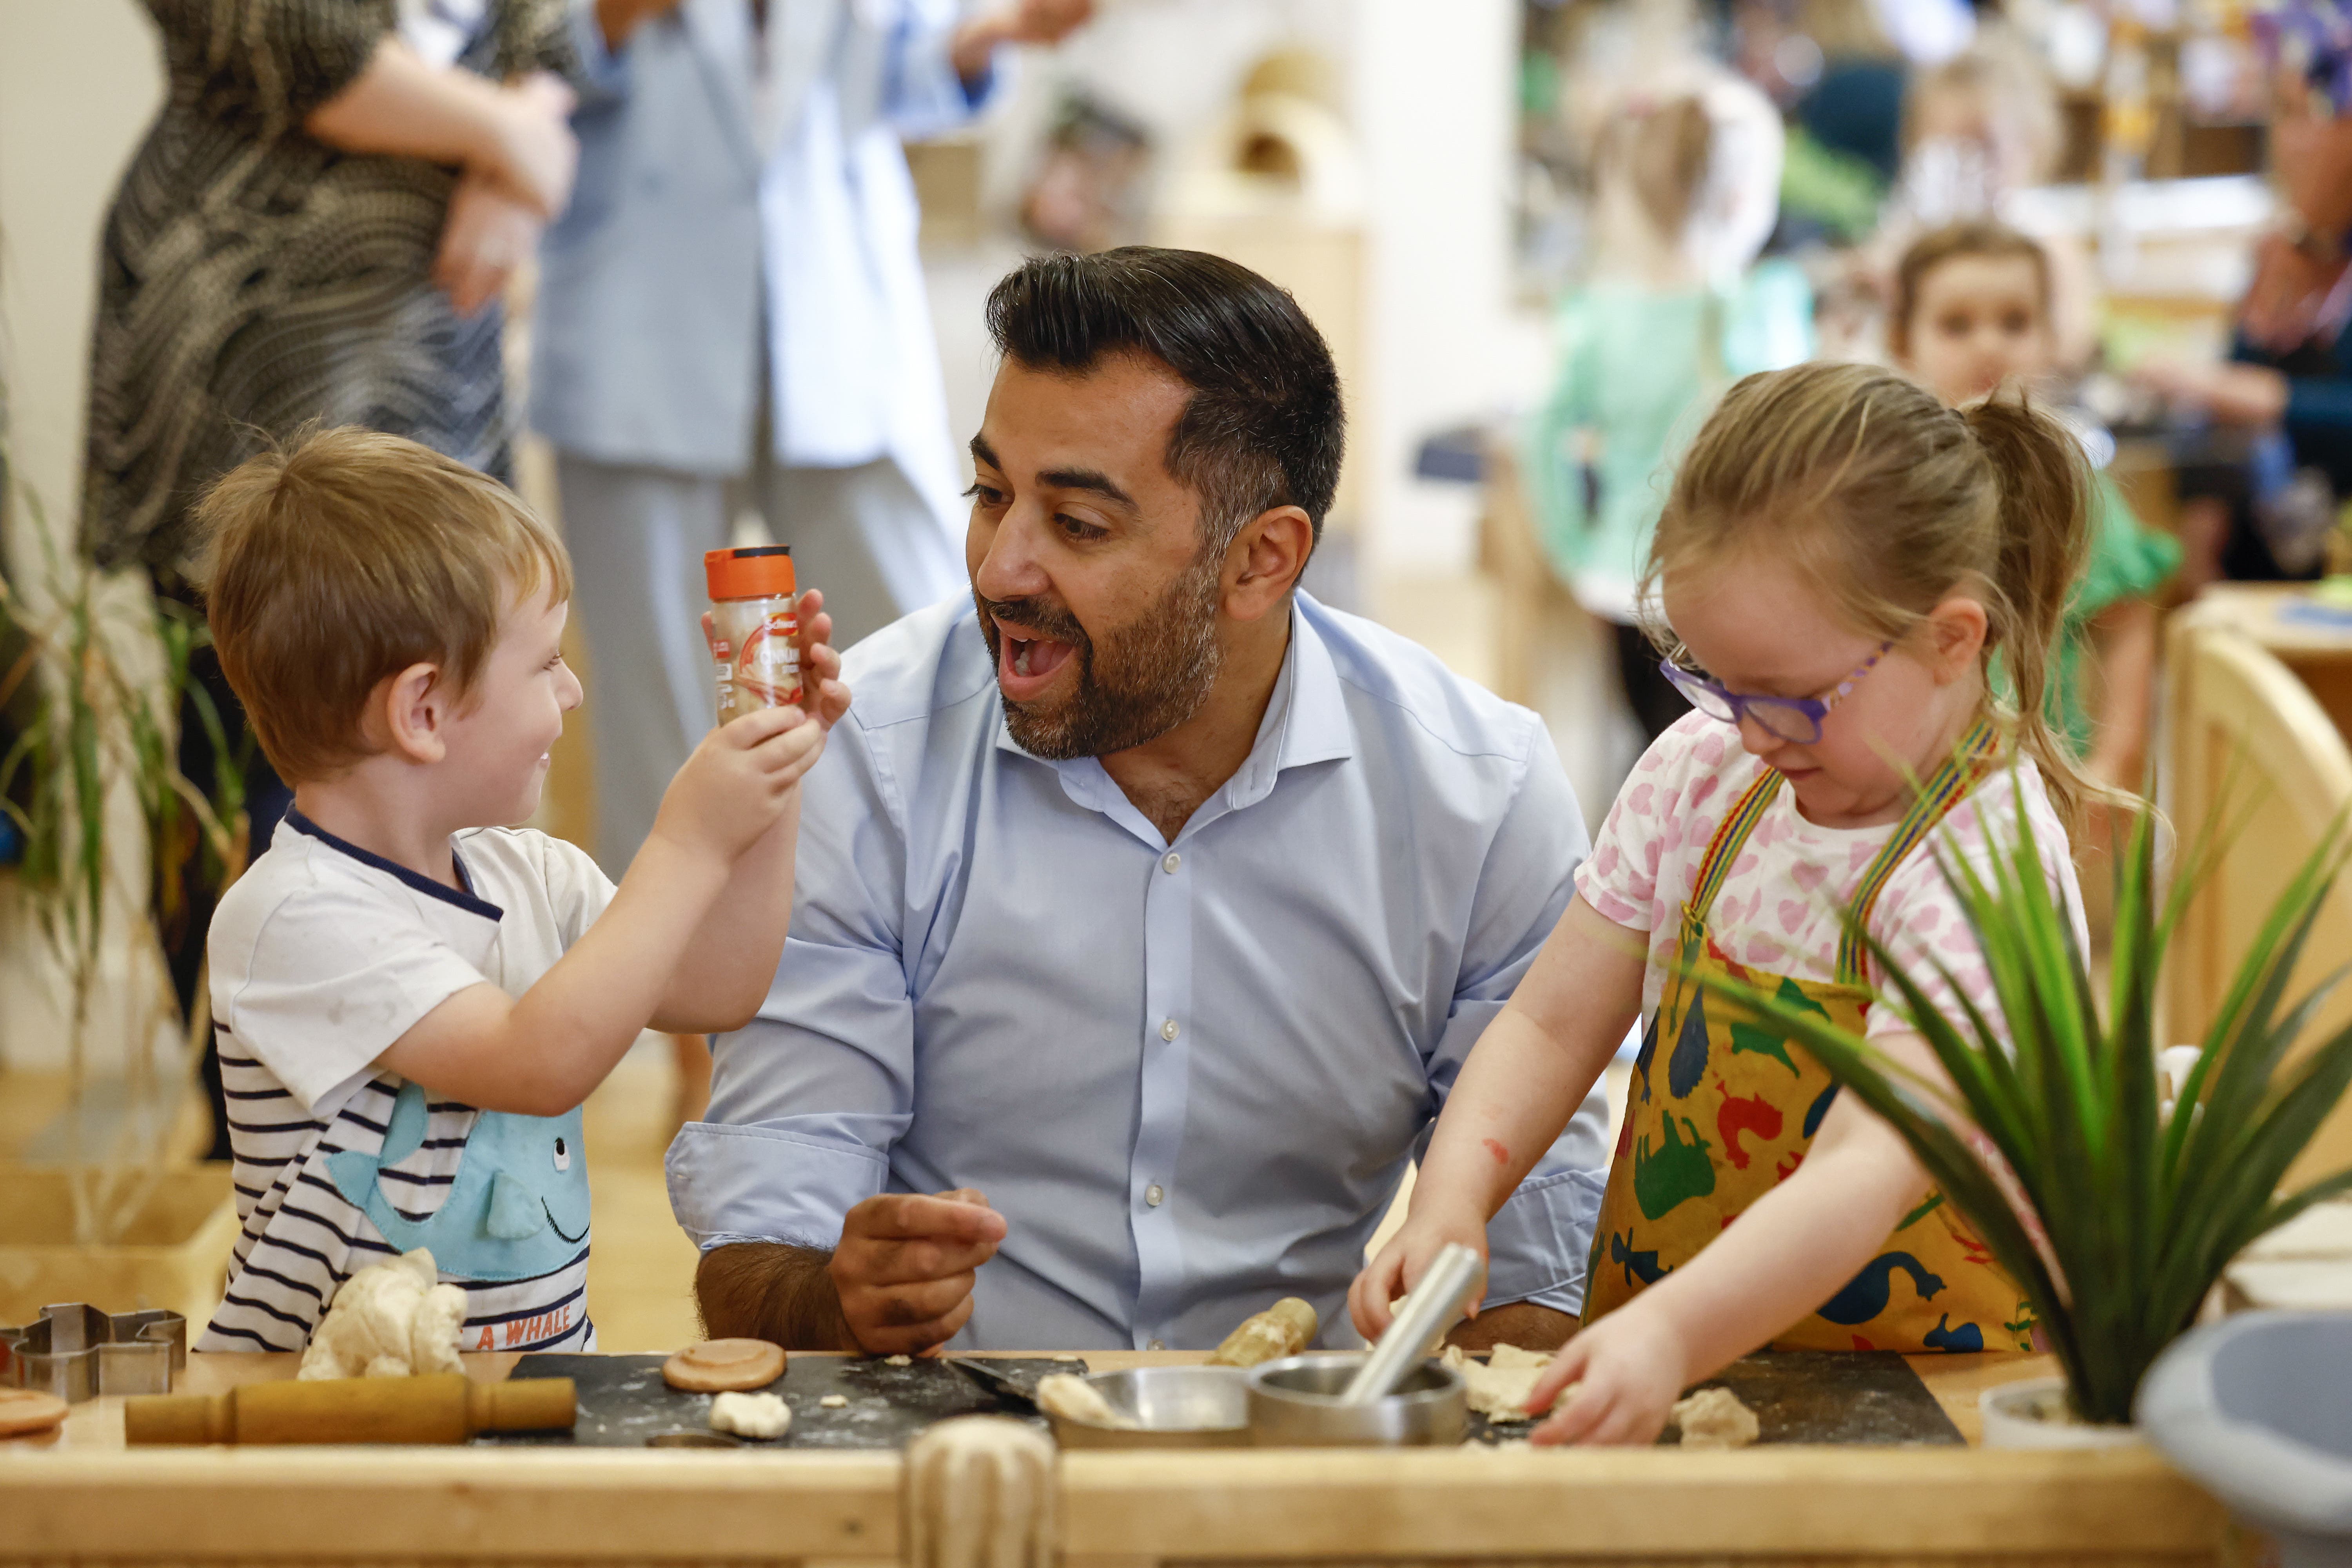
{"points": [[1632, 1366], [1401, 1264]]}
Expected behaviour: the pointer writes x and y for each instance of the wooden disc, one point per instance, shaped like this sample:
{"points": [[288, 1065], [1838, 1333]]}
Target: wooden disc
{"points": [[720, 1366], [25, 1410]]}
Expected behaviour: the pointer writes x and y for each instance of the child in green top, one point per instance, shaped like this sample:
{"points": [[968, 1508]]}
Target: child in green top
{"points": [[1971, 310], [1671, 315]]}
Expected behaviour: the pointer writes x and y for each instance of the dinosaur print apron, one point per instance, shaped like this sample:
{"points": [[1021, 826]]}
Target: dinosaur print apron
{"points": [[1737, 1106]]}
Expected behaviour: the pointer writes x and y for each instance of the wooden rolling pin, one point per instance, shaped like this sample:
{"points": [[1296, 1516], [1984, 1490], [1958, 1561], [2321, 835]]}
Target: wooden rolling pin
{"points": [[441, 1407]]}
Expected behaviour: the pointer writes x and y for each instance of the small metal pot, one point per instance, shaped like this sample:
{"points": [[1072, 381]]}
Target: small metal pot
{"points": [[1180, 1407], [1295, 1403]]}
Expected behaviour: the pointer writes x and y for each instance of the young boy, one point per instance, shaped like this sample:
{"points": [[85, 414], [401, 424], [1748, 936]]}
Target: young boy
{"points": [[412, 996]]}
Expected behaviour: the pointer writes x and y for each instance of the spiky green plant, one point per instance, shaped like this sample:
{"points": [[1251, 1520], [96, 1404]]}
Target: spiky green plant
{"points": [[2141, 1210], [95, 692]]}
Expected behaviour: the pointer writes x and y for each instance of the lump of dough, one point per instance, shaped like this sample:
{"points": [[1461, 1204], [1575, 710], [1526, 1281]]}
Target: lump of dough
{"points": [[717, 1366], [750, 1415], [835, 1402], [1500, 1389], [1713, 1418], [1282, 1330], [897, 1361], [390, 1320], [1075, 1399]]}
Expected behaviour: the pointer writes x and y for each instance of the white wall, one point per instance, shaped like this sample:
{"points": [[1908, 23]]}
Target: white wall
{"points": [[79, 81], [1433, 88]]}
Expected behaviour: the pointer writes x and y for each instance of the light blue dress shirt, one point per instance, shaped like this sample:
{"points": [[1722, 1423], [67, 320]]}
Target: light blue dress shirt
{"points": [[1190, 1075]]}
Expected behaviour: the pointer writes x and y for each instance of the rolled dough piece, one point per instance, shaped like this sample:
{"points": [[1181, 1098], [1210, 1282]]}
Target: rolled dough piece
{"points": [[1075, 1399], [391, 1319], [1282, 1330], [716, 1366], [897, 1361], [25, 1411], [835, 1402], [763, 1416], [1500, 1389], [1713, 1418]]}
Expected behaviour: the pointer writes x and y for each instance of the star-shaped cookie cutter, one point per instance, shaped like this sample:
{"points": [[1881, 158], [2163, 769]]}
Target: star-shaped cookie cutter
{"points": [[77, 1353]]}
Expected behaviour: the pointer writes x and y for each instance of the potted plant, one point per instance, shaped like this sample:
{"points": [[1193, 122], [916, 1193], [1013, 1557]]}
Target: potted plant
{"points": [[101, 822], [2139, 1205]]}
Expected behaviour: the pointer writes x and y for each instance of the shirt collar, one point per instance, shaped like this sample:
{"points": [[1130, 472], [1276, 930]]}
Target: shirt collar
{"points": [[465, 898], [1306, 722]]}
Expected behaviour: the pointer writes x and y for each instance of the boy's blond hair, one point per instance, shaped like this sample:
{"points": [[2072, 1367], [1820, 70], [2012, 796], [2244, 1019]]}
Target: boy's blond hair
{"points": [[346, 555]]}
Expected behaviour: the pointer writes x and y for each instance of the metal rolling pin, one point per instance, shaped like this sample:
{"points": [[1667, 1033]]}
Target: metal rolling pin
{"points": [[1421, 1318]]}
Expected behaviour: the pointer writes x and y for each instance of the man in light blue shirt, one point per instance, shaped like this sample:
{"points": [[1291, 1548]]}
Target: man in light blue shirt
{"points": [[1152, 900]]}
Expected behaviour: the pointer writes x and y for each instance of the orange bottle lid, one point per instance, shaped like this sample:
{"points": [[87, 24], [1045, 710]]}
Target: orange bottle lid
{"points": [[750, 571]]}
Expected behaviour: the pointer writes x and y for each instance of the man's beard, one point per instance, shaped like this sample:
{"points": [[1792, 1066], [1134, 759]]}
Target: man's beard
{"points": [[1146, 678]]}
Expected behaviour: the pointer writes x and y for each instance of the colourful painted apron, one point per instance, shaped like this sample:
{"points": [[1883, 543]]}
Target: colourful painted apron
{"points": [[1736, 1107]]}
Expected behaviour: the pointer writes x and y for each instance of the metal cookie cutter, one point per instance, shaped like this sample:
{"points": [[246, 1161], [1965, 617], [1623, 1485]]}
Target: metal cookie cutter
{"points": [[76, 1352]]}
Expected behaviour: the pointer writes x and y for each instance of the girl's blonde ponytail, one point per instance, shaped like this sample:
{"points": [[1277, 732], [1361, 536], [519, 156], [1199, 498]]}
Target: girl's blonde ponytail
{"points": [[1892, 502], [2046, 533]]}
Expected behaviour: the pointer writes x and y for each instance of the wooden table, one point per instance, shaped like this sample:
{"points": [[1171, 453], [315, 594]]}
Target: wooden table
{"points": [[82, 1499]]}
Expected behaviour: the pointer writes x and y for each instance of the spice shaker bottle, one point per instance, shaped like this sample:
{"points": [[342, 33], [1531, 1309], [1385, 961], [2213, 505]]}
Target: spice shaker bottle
{"points": [[755, 633]]}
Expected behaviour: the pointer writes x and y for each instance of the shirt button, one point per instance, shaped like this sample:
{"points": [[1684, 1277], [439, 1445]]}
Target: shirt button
{"points": [[1154, 1196], [1160, 1344], [1167, 1028], [1172, 861]]}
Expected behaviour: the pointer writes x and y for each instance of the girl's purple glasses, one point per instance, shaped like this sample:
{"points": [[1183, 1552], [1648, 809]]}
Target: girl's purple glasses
{"points": [[1797, 720]]}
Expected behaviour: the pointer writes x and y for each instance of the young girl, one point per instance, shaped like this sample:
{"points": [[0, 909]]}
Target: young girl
{"points": [[1971, 311], [1841, 555]]}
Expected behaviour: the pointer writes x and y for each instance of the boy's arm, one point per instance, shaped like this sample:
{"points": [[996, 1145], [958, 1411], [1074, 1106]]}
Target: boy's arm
{"points": [[539, 1055], [723, 976], [727, 968], [1525, 1078]]}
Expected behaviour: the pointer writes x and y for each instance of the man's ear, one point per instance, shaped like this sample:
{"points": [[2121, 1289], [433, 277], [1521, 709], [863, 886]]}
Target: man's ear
{"points": [[409, 714], [1957, 630], [1263, 564]]}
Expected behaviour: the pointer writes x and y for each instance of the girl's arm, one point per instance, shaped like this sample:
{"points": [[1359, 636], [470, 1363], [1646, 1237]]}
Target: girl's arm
{"points": [[401, 106], [1794, 1250], [1522, 1081]]}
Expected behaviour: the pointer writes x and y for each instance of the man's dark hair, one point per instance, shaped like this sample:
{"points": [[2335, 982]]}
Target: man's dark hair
{"points": [[1264, 426]]}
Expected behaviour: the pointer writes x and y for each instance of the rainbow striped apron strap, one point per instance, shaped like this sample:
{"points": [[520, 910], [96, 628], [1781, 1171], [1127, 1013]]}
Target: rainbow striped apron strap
{"points": [[1944, 788]]}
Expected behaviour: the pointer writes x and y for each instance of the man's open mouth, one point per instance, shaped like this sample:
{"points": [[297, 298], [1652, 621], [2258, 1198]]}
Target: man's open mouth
{"points": [[1026, 664]]}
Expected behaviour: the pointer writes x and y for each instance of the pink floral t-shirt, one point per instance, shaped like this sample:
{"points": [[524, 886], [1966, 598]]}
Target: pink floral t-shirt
{"points": [[1778, 909]]}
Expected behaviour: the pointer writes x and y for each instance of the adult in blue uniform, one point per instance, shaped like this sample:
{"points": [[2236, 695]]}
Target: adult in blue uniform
{"points": [[732, 316]]}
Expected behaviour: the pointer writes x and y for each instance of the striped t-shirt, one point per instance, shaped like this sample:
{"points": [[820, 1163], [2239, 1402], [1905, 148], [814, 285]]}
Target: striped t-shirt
{"points": [[322, 955]]}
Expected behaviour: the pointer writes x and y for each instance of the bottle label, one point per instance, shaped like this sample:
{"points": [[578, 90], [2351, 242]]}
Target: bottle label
{"points": [[756, 655]]}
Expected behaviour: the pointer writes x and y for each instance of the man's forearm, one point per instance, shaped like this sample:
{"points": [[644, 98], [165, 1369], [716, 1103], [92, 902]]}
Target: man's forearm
{"points": [[767, 1291]]}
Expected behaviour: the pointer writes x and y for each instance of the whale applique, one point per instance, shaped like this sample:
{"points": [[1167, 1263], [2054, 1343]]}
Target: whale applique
{"points": [[517, 1209]]}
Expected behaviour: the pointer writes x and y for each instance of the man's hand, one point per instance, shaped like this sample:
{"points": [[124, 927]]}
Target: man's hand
{"points": [[907, 1263], [488, 234], [1021, 22], [1631, 1366], [735, 785]]}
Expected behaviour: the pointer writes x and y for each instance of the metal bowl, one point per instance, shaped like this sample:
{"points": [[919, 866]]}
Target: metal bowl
{"points": [[1295, 1403], [1180, 1407]]}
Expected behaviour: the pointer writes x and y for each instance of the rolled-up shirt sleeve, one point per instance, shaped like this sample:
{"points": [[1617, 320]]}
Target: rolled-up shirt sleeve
{"points": [[1536, 1243], [808, 1098]]}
